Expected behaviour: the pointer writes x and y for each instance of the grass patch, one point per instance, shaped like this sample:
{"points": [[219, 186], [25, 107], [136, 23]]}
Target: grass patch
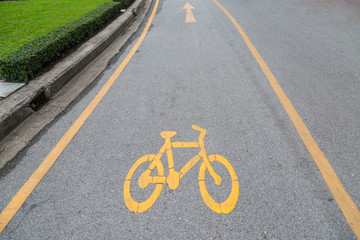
{"points": [[25, 63], [24, 21]]}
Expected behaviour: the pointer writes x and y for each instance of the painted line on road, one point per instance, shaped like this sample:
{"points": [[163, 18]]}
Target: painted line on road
{"points": [[15, 204], [347, 205]]}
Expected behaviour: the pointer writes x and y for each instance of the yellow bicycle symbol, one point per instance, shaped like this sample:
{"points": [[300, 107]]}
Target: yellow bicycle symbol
{"points": [[174, 177]]}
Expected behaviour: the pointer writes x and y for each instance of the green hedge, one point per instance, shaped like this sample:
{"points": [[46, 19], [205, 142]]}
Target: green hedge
{"points": [[23, 64]]}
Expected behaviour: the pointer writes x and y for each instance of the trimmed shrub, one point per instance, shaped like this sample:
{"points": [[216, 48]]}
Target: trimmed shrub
{"points": [[23, 64]]}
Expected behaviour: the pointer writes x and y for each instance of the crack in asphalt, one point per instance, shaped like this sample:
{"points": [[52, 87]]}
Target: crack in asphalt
{"points": [[32, 207]]}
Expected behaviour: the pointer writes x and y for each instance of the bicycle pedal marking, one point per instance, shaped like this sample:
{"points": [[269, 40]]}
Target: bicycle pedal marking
{"points": [[154, 161]]}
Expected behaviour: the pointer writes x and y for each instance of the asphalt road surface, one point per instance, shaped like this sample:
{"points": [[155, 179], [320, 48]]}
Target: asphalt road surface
{"points": [[203, 73]]}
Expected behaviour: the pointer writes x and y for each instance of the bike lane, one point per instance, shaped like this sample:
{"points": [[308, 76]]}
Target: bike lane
{"points": [[183, 74]]}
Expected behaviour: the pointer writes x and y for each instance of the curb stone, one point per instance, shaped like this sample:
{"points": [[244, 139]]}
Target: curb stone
{"points": [[16, 108]]}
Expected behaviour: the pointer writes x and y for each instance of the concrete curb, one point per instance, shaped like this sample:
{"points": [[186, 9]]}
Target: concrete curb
{"points": [[16, 108]]}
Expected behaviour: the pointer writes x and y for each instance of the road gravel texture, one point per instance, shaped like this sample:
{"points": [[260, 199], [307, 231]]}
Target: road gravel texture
{"points": [[203, 73]]}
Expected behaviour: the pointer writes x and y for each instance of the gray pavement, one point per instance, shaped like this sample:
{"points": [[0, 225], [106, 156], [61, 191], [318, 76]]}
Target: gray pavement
{"points": [[203, 73], [6, 88]]}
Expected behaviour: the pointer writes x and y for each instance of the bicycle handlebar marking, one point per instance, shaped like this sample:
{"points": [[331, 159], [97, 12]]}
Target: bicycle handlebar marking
{"points": [[174, 177]]}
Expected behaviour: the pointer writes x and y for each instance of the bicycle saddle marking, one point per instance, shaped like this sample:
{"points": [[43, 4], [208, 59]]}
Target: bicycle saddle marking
{"points": [[168, 134]]}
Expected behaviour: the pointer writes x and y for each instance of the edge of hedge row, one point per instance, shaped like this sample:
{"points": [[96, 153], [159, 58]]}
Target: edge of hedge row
{"points": [[23, 64]]}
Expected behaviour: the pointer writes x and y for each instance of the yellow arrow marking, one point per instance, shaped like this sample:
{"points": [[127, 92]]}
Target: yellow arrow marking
{"points": [[190, 18]]}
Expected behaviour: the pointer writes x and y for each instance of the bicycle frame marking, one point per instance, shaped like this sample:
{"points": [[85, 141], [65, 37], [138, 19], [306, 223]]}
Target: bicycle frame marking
{"points": [[174, 177], [187, 167]]}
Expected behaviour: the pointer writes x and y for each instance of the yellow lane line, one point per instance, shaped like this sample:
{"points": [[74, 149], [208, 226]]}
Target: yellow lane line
{"points": [[348, 207], [11, 209]]}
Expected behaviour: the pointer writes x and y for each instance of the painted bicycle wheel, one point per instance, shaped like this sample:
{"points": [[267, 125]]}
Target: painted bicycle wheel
{"points": [[138, 207], [229, 204]]}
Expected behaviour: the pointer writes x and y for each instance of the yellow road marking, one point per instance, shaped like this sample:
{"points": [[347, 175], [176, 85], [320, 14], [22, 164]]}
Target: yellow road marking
{"points": [[190, 18], [229, 204], [11, 209], [348, 207], [174, 177], [189, 165], [185, 145]]}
